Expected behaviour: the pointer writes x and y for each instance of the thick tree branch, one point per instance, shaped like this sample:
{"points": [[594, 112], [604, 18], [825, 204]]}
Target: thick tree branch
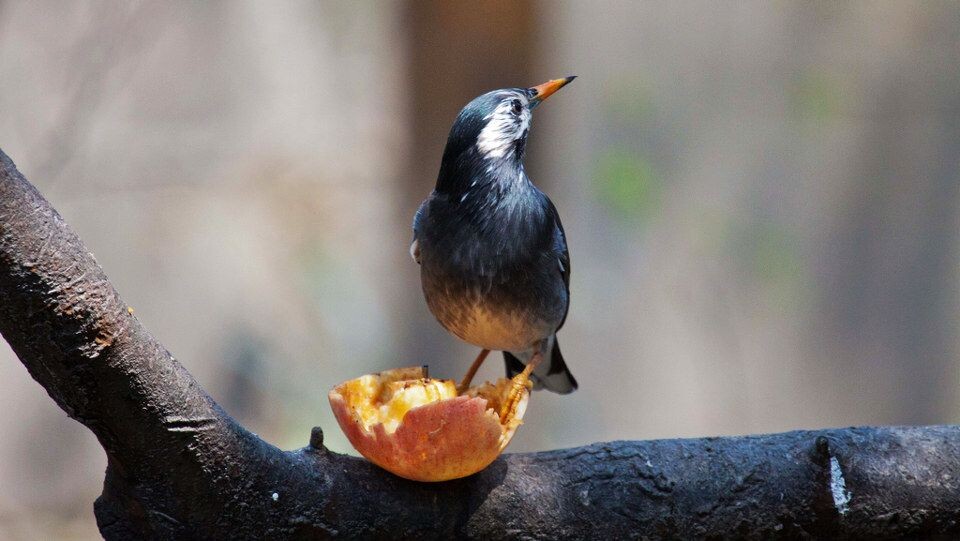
{"points": [[179, 467]]}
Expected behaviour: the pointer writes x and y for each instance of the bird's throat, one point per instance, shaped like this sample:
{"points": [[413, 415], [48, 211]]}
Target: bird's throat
{"points": [[481, 178]]}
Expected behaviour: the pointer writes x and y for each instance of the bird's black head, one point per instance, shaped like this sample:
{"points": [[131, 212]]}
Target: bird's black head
{"points": [[489, 136]]}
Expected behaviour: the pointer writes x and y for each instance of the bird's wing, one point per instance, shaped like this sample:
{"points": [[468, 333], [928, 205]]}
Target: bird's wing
{"points": [[415, 249], [563, 259], [415, 245]]}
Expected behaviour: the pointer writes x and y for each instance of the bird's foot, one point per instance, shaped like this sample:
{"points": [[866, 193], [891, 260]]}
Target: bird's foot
{"points": [[521, 383]]}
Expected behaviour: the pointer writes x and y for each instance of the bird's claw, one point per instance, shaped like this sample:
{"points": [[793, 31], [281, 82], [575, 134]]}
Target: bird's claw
{"points": [[521, 383]]}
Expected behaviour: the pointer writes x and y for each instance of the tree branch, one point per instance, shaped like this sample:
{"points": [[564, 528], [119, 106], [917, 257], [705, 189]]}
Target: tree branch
{"points": [[181, 468]]}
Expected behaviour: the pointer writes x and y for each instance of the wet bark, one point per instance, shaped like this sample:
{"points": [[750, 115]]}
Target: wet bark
{"points": [[180, 468]]}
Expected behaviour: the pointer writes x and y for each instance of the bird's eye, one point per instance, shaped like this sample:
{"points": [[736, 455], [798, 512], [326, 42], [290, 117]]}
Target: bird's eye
{"points": [[517, 107]]}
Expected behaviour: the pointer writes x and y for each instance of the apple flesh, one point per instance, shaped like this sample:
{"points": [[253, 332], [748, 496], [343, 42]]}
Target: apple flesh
{"points": [[420, 428]]}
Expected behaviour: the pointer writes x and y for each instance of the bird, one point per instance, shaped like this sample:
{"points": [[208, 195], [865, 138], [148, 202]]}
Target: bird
{"points": [[494, 263]]}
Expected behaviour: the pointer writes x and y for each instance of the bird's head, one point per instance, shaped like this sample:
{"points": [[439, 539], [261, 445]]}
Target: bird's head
{"points": [[490, 133]]}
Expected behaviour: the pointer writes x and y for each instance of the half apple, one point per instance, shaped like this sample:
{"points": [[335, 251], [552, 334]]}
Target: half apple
{"points": [[420, 428]]}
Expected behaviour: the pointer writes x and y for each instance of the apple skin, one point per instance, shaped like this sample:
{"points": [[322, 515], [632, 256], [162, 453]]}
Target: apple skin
{"points": [[438, 441]]}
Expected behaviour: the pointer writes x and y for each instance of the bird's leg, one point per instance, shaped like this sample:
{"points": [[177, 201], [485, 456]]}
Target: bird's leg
{"points": [[465, 384], [521, 383]]}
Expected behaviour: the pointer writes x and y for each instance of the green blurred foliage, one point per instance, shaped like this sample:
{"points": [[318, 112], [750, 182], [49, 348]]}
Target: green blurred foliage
{"points": [[770, 252], [815, 96], [627, 184], [626, 179]]}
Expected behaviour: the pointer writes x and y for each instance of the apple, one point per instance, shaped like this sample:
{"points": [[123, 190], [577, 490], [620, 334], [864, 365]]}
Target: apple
{"points": [[420, 428]]}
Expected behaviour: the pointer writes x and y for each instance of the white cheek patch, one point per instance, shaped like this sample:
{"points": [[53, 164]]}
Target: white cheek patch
{"points": [[502, 130]]}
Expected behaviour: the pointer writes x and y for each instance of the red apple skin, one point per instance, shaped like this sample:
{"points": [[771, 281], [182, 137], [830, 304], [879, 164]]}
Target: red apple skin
{"points": [[440, 441]]}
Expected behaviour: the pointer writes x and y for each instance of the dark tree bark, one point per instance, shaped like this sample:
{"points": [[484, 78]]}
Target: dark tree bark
{"points": [[181, 468]]}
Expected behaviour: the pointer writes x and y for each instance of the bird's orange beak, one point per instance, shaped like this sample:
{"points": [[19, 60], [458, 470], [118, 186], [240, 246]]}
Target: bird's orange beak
{"points": [[544, 91]]}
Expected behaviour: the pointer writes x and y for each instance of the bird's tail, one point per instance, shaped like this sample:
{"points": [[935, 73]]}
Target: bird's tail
{"points": [[552, 374]]}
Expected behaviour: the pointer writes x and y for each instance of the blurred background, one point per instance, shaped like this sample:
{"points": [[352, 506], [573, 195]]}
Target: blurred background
{"points": [[762, 202]]}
